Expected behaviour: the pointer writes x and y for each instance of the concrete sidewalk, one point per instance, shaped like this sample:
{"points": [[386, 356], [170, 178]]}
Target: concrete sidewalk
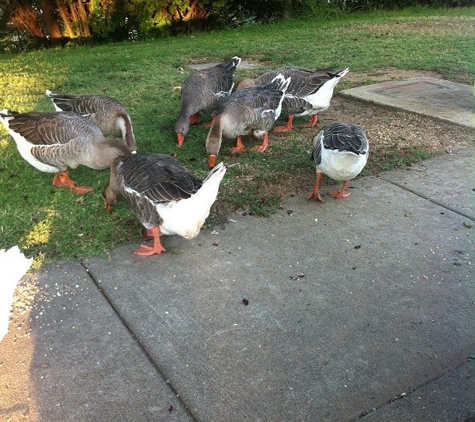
{"points": [[445, 100], [359, 309]]}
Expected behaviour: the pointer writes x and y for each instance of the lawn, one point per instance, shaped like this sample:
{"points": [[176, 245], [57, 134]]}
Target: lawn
{"points": [[50, 223]]}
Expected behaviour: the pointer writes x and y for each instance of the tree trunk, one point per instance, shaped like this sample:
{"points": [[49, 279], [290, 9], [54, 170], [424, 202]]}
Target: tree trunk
{"points": [[86, 32], [68, 30], [76, 23], [51, 24]]}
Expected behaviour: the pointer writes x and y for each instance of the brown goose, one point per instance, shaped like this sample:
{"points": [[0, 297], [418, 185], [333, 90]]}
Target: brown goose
{"points": [[205, 91], [106, 112], [165, 196], [52, 142], [340, 150], [309, 92], [252, 110]]}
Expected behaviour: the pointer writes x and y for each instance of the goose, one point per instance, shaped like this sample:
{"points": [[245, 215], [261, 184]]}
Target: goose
{"points": [[340, 150], [13, 266], [52, 142], [106, 112], [309, 92], [252, 110], [164, 195], [205, 91]]}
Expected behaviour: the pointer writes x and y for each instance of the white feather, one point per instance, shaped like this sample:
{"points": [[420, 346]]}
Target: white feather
{"points": [[13, 266], [186, 217]]}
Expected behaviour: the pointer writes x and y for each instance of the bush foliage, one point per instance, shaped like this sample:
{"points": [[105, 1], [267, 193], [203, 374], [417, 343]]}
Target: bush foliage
{"points": [[26, 24]]}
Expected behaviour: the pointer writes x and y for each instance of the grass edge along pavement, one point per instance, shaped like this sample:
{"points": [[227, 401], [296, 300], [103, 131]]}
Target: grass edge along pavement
{"points": [[52, 224]]}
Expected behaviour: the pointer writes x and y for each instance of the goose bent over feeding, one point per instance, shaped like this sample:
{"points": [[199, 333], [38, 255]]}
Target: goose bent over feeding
{"points": [[340, 150], [251, 110], [309, 92], [52, 142], [106, 112], [164, 195], [205, 91]]}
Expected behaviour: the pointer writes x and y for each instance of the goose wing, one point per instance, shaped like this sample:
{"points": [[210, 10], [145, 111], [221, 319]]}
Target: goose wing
{"points": [[158, 177], [51, 128], [345, 137]]}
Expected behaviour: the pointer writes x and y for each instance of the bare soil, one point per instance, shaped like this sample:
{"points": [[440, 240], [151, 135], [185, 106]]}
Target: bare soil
{"points": [[396, 137]]}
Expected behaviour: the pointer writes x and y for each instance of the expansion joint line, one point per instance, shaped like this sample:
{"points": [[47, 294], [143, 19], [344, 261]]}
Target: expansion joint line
{"points": [[456, 211], [141, 345]]}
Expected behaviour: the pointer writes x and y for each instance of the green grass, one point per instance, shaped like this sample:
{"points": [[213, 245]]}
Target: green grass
{"points": [[51, 223]]}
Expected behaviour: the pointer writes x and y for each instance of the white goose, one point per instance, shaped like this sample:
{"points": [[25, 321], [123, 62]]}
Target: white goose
{"points": [[251, 110], [106, 112], [52, 142], [13, 266], [309, 93], [340, 150], [164, 195], [205, 91]]}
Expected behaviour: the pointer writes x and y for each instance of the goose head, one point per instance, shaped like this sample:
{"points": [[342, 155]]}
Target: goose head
{"points": [[112, 192]]}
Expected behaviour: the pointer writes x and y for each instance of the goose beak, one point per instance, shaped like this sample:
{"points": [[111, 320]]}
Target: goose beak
{"points": [[107, 207], [181, 138], [211, 161]]}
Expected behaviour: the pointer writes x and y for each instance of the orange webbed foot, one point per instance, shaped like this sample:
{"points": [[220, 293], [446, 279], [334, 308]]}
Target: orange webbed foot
{"points": [[312, 122], [156, 249], [81, 190], [339, 194], [265, 144], [287, 127], [315, 196], [146, 250], [62, 179], [260, 148], [282, 129], [239, 146]]}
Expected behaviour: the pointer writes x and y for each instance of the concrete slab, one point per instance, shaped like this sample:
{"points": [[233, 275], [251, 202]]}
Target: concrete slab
{"points": [[450, 398], [72, 359], [360, 308], [427, 179], [320, 312], [445, 100]]}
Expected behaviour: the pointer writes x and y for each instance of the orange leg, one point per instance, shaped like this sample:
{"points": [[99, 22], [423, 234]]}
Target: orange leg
{"points": [[194, 118], [157, 248], [340, 194], [316, 190], [287, 127], [265, 144], [312, 122], [239, 146], [210, 123], [62, 179]]}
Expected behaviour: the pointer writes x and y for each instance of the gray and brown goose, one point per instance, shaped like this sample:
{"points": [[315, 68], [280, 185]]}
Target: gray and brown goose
{"points": [[309, 93], [106, 112], [340, 150], [204, 91], [54, 142], [164, 195], [251, 110]]}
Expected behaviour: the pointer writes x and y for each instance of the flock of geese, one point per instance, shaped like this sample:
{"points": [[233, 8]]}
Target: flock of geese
{"points": [[164, 195]]}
